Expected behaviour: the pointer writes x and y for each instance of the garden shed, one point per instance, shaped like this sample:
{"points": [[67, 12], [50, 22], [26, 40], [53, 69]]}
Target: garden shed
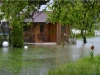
{"points": [[41, 30]]}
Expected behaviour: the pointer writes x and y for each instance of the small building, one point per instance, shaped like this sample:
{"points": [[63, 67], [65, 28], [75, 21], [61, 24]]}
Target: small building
{"points": [[41, 31]]}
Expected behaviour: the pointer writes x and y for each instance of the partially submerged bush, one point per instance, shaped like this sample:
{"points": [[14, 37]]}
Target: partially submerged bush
{"points": [[17, 36]]}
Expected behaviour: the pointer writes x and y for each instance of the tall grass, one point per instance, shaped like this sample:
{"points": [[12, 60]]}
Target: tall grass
{"points": [[86, 66]]}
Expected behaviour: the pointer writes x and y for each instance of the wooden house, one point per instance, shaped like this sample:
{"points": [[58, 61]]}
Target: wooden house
{"points": [[41, 31]]}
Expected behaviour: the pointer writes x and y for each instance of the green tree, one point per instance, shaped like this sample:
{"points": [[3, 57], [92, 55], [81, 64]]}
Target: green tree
{"points": [[87, 15], [15, 12], [81, 14]]}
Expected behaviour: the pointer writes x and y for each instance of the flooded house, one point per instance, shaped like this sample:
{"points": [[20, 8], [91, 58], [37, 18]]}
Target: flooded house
{"points": [[42, 31]]}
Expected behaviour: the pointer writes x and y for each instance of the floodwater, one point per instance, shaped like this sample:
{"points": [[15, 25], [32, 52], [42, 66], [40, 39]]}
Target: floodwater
{"points": [[38, 59]]}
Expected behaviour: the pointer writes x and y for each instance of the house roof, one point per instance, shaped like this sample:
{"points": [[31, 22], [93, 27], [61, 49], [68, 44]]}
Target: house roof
{"points": [[39, 16]]}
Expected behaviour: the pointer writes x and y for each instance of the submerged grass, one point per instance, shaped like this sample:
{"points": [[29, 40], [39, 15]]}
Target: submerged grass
{"points": [[17, 61], [85, 66]]}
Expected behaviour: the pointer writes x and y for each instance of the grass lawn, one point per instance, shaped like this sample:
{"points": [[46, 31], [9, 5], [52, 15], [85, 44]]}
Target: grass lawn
{"points": [[89, 35], [86, 66]]}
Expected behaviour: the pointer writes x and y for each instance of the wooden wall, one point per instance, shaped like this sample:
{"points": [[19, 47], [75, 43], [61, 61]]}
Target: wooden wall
{"points": [[32, 33], [67, 33], [52, 33], [46, 32], [58, 33], [49, 31]]}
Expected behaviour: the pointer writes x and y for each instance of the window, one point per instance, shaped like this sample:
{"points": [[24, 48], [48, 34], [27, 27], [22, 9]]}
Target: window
{"points": [[41, 28], [25, 28]]}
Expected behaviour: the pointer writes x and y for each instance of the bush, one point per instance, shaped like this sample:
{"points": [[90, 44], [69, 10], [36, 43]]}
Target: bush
{"points": [[17, 36]]}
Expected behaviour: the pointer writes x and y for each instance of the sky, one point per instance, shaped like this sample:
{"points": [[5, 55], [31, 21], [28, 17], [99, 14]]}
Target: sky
{"points": [[44, 6]]}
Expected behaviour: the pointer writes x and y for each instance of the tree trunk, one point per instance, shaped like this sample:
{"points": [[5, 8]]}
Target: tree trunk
{"points": [[84, 39]]}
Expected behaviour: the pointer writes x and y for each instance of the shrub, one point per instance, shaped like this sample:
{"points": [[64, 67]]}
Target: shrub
{"points": [[17, 36]]}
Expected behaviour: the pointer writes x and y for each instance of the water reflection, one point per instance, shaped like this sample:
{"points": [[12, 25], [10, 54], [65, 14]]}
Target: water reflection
{"points": [[5, 50], [37, 60]]}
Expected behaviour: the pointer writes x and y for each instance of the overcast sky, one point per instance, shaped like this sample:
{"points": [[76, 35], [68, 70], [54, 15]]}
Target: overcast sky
{"points": [[44, 6]]}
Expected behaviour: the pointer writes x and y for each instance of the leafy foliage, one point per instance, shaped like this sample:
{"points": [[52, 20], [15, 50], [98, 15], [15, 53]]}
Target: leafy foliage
{"points": [[80, 14], [17, 37], [16, 12]]}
